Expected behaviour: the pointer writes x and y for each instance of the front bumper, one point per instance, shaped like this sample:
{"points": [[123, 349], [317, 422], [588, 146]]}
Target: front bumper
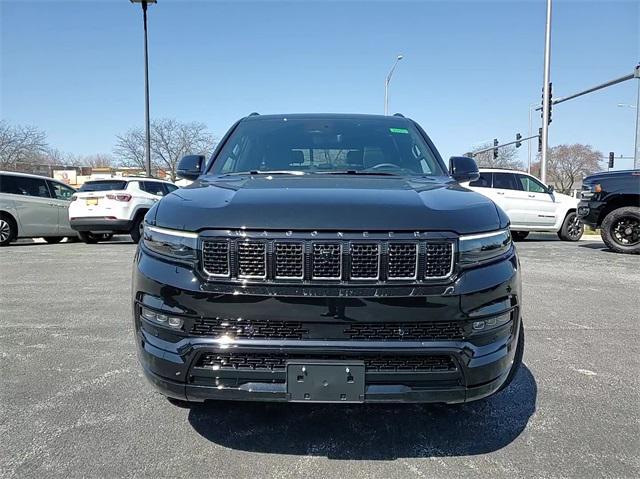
{"points": [[589, 211], [176, 362]]}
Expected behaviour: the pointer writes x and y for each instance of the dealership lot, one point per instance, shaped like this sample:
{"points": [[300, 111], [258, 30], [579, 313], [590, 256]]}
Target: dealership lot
{"points": [[74, 402]]}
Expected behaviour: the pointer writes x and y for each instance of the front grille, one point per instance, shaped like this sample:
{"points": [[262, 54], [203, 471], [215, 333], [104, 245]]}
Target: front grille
{"points": [[252, 259], [403, 260], [215, 257], [365, 261], [326, 261], [420, 331], [438, 260], [289, 260], [373, 363], [249, 329], [297, 259], [279, 329]]}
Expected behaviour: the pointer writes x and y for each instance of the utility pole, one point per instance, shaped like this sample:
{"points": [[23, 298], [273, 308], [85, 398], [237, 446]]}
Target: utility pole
{"points": [[545, 95]]}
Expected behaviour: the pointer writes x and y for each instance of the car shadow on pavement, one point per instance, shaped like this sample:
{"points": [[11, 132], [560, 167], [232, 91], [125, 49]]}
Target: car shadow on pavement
{"points": [[371, 432], [598, 246]]}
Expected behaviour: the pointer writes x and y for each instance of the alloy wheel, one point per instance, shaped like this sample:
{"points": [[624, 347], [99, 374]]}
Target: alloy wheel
{"points": [[626, 231], [5, 230], [574, 228]]}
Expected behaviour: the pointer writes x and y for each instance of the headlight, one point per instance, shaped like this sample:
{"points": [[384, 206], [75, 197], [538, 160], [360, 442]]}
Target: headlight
{"points": [[182, 245], [484, 246]]}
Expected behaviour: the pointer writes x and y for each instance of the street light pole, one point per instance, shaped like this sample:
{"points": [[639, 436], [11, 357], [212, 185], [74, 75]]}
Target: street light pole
{"points": [[636, 152], [147, 122], [546, 95], [386, 85]]}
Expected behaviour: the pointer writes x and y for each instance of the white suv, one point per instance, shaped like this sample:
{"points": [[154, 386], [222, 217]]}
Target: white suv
{"points": [[530, 205], [115, 206]]}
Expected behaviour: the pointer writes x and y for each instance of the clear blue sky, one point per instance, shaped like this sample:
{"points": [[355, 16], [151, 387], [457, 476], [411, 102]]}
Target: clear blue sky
{"points": [[471, 69]]}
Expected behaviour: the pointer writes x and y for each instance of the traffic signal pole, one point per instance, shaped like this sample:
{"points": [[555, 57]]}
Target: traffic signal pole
{"points": [[495, 147], [546, 95]]}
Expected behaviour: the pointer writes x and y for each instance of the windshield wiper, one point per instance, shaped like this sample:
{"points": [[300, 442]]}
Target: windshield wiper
{"points": [[356, 172], [266, 172]]}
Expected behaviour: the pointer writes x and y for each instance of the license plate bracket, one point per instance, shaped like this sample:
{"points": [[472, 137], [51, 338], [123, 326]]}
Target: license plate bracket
{"points": [[325, 381]]}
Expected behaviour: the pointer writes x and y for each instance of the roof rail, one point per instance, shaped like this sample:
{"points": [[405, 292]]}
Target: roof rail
{"points": [[255, 113], [399, 114]]}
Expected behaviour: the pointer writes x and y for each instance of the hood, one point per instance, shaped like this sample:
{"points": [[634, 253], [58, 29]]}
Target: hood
{"points": [[562, 198], [330, 203], [610, 174]]}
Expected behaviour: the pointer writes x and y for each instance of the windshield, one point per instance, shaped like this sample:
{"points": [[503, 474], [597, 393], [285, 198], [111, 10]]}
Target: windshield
{"points": [[368, 146], [103, 185]]}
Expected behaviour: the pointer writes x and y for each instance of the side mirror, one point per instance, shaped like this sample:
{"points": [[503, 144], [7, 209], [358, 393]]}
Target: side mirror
{"points": [[190, 167], [551, 188], [463, 168]]}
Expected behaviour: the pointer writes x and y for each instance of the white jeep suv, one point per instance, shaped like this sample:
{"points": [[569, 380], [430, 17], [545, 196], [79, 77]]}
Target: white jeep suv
{"points": [[530, 205], [115, 206]]}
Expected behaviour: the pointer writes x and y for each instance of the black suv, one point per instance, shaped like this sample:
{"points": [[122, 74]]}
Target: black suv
{"points": [[611, 201], [327, 258]]}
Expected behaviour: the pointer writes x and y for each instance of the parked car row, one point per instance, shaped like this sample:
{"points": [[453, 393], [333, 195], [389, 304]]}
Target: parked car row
{"points": [[34, 206]]}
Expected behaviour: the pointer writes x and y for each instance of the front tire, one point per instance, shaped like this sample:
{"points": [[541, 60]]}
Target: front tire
{"points": [[89, 237], [136, 229], [519, 235], [54, 239], [572, 228], [8, 230], [620, 230]]}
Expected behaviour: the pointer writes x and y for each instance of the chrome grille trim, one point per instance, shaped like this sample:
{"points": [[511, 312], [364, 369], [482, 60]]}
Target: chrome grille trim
{"points": [[451, 248], [360, 256], [206, 251], [281, 257], [317, 261], [415, 266], [252, 258]]}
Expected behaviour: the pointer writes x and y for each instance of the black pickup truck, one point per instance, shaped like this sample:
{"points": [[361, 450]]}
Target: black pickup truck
{"points": [[327, 258], [611, 201]]}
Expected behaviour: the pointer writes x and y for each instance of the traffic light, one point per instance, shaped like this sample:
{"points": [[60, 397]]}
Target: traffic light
{"points": [[518, 138], [539, 140], [550, 102], [495, 149], [611, 155]]}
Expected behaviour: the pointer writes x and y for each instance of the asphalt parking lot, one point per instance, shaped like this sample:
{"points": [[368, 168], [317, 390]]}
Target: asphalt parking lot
{"points": [[74, 403]]}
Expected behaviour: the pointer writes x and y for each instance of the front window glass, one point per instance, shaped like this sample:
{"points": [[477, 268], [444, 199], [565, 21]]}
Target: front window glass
{"points": [[152, 187], [483, 182], [531, 184], [25, 186], [505, 181], [319, 145], [61, 192]]}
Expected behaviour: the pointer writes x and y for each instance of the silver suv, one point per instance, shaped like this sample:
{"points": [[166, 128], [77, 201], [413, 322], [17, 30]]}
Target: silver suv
{"points": [[33, 207]]}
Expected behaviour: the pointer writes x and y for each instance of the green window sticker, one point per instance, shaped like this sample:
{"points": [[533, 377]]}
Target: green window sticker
{"points": [[399, 130]]}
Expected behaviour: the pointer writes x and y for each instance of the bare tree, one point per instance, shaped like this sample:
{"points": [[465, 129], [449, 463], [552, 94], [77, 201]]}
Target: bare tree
{"points": [[567, 164], [20, 145], [507, 157], [170, 141]]}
